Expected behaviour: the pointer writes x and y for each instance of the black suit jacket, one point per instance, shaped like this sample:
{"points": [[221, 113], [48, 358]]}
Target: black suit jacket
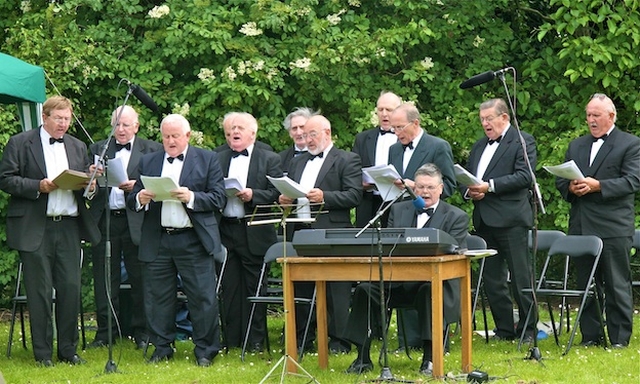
{"points": [[201, 173], [340, 178], [285, 158], [610, 212], [450, 219], [509, 206], [365, 146], [262, 163], [21, 170], [139, 148], [430, 149]]}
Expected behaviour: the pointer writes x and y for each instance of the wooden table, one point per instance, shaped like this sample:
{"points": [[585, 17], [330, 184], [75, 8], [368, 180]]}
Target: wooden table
{"points": [[397, 268]]}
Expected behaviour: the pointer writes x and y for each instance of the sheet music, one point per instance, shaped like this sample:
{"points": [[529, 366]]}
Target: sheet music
{"points": [[288, 187], [232, 186], [116, 169], [465, 177], [383, 177], [568, 170], [161, 186]]}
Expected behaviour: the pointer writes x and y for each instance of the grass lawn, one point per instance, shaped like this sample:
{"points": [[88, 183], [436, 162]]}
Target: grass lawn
{"points": [[501, 360]]}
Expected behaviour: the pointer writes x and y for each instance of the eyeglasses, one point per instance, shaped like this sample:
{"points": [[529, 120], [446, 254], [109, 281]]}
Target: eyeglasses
{"points": [[311, 135], [399, 129], [59, 120], [427, 187], [488, 119]]}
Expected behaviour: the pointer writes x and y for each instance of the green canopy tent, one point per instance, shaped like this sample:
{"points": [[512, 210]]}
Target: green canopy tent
{"points": [[23, 84]]}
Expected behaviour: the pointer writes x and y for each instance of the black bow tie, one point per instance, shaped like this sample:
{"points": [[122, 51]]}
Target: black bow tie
{"points": [[495, 141], [603, 137], [428, 211], [296, 152], [53, 140], [235, 154], [383, 132], [179, 157], [319, 155], [120, 146], [405, 146]]}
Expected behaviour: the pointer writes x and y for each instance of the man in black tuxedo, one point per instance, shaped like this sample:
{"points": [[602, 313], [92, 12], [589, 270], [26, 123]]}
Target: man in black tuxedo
{"points": [[334, 179], [502, 215], [602, 204], [180, 236], [246, 245], [294, 124], [124, 229], [416, 147], [417, 294], [46, 224], [372, 146]]}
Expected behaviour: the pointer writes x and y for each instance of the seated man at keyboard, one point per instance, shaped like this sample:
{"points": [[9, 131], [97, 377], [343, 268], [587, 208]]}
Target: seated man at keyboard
{"points": [[416, 294]]}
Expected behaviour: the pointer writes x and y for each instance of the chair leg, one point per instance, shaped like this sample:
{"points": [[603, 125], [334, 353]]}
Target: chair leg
{"points": [[246, 336], [307, 326], [13, 322], [484, 317], [556, 331]]}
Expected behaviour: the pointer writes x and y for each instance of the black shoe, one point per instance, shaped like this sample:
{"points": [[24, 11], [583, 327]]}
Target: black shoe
{"points": [[97, 343], [337, 347], [591, 343], [503, 338], [142, 344], [618, 346], [204, 362], [73, 360], [156, 358], [45, 363], [255, 347], [359, 367], [426, 368]]}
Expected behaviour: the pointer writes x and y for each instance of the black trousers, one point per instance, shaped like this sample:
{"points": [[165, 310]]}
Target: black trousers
{"points": [[513, 256], [54, 265], [122, 248], [183, 254]]}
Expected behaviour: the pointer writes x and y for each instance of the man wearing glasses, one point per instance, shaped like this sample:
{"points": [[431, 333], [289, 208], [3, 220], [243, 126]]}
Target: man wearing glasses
{"points": [[502, 215], [416, 294], [45, 224], [416, 147]]}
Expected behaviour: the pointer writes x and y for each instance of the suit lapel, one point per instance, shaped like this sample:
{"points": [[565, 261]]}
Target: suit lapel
{"points": [[372, 141], [35, 144], [327, 165], [584, 152], [607, 146], [134, 159], [189, 164], [508, 140]]}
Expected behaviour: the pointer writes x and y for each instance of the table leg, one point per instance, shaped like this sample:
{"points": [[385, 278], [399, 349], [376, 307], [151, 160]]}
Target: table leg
{"points": [[437, 328], [321, 317], [465, 301]]}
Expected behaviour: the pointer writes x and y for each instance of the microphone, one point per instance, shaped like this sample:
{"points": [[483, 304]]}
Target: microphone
{"points": [[482, 78], [144, 98], [418, 201]]}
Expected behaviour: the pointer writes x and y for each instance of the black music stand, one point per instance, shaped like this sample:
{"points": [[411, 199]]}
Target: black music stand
{"points": [[385, 373], [282, 217]]}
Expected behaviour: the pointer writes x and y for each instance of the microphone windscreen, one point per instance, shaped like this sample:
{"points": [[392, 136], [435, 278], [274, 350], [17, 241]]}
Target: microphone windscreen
{"points": [[144, 98], [478, 79], [418, 203]]}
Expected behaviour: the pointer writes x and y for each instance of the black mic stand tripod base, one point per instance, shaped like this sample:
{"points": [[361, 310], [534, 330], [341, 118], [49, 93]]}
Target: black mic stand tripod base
{"points": [[385, 373]]}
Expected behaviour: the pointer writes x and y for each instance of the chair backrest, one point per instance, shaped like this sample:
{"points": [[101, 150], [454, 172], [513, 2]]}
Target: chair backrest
{"points": [[277, 250], [577, 246], [545, 239], [475, 242]]}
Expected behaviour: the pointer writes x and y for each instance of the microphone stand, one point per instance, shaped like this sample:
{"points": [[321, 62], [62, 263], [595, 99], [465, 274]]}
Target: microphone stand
{"points": [[111, 366], [534, 351], [385, 374]]}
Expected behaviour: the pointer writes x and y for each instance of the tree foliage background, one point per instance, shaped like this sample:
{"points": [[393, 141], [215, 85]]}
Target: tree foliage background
{"points": [[204, 58]]}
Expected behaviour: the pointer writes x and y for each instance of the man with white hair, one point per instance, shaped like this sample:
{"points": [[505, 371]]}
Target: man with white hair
{"points": [[246, 245], [180, 236]]}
